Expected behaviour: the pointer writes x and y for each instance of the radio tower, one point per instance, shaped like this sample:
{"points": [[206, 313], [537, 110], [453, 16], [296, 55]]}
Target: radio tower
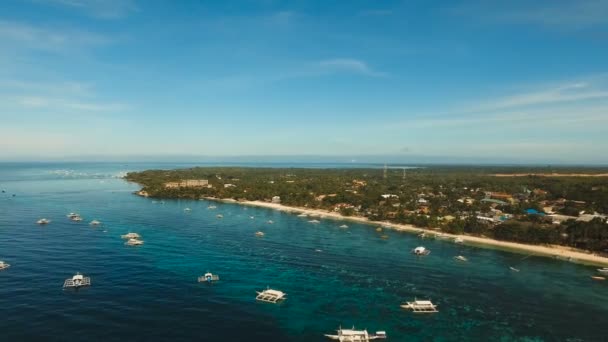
{"points": [[404, 174], [385, 170]]}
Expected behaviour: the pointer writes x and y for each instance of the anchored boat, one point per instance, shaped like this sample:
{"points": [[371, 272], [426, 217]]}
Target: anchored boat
{"points": [[134, 242], [603, 270], [460, 258], [420, 306], [208, 277], [4, 265], [353, 335], [43, 221], [260, 234], [130, 236], [94, 223], [78, 280], [421, 251], [270, 296]]}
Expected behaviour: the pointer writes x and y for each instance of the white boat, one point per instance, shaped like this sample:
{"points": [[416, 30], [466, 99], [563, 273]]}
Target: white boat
{"points": [[458, 240], [513, 269], [219, 216], [270, 296], [208, 277], [43, 221], [95, 223], [211, 207], [134, 242], [270, 221], [421, 251], [78, 280], [343, 226], [461, 258], [131, 236], [314, 221], [71, 215], [260, 234], [303, 215], [251, 217], [603, 270], [420, 306], [187, 209], [4, 265], [353, 335], [76, 218]]}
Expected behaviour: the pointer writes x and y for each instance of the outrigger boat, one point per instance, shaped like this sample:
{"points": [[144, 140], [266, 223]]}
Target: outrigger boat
{"points": [[343, 226], [598, 278], [421, 251], [458, 240], [131, 236], [219, 216], [270, 296], [314, 221], [208, 277], [260, 234], [514, 269], [420, 306], [4, 265], [603, 270], [134, 242], [270, 221], [460, 258], [95, 223], [72, 215], [211, 207], [352, 335], [187, 209], [77, 281], [43, 221]]}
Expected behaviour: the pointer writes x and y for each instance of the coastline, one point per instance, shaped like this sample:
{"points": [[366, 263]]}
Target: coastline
{"points": [[552, 251]]}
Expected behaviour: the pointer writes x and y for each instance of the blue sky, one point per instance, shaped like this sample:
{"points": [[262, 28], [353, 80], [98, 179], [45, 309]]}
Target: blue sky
{"points": [[482, 80]]}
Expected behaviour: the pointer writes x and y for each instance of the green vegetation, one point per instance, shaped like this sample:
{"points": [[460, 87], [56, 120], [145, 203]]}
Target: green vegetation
{"points": [[468, 200]]}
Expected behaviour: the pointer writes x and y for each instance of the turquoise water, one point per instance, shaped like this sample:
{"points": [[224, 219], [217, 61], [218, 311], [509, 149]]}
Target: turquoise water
{"points": [[332, 276]]}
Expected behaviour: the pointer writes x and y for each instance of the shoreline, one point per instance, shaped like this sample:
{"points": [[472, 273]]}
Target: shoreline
{"points": [[552, 251]]}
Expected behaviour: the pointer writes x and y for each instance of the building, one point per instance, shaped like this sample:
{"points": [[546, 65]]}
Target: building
{"points": [[188, 183], [385, 196], [276, 199]]}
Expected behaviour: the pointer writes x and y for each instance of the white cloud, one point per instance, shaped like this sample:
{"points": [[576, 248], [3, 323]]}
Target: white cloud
{"points": [[17, 35], [104, 9], [560, 15], [349, 65], [568, 92]]}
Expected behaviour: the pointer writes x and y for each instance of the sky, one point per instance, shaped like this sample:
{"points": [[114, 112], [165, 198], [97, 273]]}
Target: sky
{"points": [[496, 81]]}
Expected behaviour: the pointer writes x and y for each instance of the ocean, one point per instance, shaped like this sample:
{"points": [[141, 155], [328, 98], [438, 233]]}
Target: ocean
{"points": [[332, 276]]}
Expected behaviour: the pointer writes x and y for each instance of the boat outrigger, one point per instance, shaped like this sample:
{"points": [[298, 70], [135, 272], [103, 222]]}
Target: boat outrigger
{"points": [[4, 265], [420, 306], [208, 278], [270, 296], [78, 280], [421, 251], [353, 335], [43, 221]]}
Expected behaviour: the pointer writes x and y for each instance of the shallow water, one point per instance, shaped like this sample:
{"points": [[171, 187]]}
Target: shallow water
{"points": [[332, 276]]}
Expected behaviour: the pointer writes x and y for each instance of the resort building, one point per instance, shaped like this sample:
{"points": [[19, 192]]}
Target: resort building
{"points": [[276, 199], [188, 183]]}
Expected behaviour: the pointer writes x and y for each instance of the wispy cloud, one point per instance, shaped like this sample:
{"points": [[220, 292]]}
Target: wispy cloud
{"points": [[23, 35], [569, 92], [58, 97], [103, 9], [376, 13], [350, 65], [561, 15]]}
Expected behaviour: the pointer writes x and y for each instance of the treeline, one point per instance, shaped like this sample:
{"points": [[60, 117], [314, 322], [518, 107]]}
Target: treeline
{"points": [[441, 187]]}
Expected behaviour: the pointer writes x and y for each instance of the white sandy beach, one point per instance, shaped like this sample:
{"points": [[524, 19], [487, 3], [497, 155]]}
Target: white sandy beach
{"points": [[559, 252]]}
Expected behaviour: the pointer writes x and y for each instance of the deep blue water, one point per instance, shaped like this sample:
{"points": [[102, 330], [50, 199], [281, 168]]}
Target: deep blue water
{"points": [[332, 276]]}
